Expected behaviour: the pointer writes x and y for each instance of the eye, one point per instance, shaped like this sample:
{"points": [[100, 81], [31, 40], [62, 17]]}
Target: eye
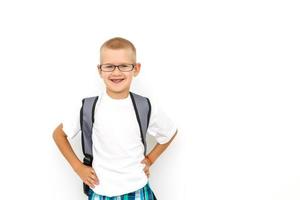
{"points": [[108, 66], [123, 66]]}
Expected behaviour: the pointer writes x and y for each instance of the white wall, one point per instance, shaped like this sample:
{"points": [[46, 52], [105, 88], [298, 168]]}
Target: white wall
{"points": [[227, 72]]}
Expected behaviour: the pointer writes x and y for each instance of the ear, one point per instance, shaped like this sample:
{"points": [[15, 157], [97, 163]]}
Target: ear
{"points": [[137, 69]]}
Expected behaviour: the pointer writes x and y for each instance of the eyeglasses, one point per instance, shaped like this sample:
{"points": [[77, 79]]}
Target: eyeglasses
{"points": [[111, 67]]}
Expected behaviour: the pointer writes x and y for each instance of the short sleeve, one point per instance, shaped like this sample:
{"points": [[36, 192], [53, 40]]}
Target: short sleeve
{"points": [[161, 127], [71, 120]]}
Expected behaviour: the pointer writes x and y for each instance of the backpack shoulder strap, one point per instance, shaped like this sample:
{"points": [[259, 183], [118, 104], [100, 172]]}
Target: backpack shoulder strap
{"points": [[86, 124], [142, 107]]}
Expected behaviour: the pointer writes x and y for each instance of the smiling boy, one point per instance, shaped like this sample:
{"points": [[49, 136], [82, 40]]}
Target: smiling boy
{"points": [[120, 169]]}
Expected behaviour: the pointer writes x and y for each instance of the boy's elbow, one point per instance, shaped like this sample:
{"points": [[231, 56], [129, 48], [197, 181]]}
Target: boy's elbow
{"points": [[172, 138], [175, 134], [58, 131], [54, 135]]}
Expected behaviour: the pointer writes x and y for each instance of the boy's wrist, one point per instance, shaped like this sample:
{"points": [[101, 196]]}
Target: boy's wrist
{"points": [[77, 166], [148, 160]]}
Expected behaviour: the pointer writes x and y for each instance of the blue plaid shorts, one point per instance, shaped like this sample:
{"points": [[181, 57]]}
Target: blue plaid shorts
{"points": [[144, 193]]}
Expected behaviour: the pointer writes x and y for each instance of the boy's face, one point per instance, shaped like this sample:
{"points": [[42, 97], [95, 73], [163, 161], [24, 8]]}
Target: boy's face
{"points": [[118, 82]]}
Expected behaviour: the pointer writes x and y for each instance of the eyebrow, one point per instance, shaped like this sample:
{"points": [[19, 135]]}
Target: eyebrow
{"points": [[116, 64]]}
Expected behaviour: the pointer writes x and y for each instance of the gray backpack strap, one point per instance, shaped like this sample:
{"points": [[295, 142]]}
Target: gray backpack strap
{"points": [[142, 109], [86, 123]]}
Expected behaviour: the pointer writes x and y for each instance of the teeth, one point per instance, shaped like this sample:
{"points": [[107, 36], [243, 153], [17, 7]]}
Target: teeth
{"points": [[116, 80]]}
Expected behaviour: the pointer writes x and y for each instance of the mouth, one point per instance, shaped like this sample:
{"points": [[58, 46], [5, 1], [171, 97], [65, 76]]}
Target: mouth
{"points": [[117, 80]]}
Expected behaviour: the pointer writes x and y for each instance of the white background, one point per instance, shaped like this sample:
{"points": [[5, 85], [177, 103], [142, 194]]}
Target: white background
{"points": [[227, 72]]}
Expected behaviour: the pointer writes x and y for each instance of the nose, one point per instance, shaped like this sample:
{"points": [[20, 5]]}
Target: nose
{"points": [[116, 71]]}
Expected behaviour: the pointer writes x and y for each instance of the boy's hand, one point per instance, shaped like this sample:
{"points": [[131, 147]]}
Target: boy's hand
{"points": [[87, 175], [147, 163]]}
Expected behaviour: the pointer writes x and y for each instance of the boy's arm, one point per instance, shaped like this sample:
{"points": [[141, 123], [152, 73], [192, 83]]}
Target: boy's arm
{"points": [[154, 154], [158, 150], [87, 174], [65, 148]]}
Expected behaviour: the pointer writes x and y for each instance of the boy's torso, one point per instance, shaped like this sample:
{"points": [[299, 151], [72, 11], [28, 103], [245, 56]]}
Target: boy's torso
{"points": [[117, 147]]}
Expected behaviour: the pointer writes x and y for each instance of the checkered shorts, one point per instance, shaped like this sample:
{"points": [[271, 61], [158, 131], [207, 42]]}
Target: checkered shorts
{"points": [[144, 193]]}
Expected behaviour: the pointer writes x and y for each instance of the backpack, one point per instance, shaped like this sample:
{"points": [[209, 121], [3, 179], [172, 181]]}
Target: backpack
{"points": [[142, 109]]}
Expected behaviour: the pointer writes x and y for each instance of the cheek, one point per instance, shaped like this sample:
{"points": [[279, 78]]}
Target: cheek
{"points": [[103, 75], [129, 78], [100, 73]]}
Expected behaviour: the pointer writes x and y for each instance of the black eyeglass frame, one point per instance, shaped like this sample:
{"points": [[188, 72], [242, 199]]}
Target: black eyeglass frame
{"points": [[99, 66]]}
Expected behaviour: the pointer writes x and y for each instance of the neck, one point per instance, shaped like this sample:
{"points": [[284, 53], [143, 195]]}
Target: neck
{"points": [[117, 95]]}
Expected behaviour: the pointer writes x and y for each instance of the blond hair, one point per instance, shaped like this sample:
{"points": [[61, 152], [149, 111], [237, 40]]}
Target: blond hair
{"points": [[118, 43]]}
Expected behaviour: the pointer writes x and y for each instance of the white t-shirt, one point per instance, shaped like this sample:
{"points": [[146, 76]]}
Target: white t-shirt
{"points": [[117, 146]]}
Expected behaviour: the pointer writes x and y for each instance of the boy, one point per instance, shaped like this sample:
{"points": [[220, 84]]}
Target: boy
{"points": [[120, 170]]}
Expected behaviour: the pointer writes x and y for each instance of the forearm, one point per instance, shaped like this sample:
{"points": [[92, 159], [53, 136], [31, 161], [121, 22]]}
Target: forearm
{"points": [[158, 150], [65, 148]]}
